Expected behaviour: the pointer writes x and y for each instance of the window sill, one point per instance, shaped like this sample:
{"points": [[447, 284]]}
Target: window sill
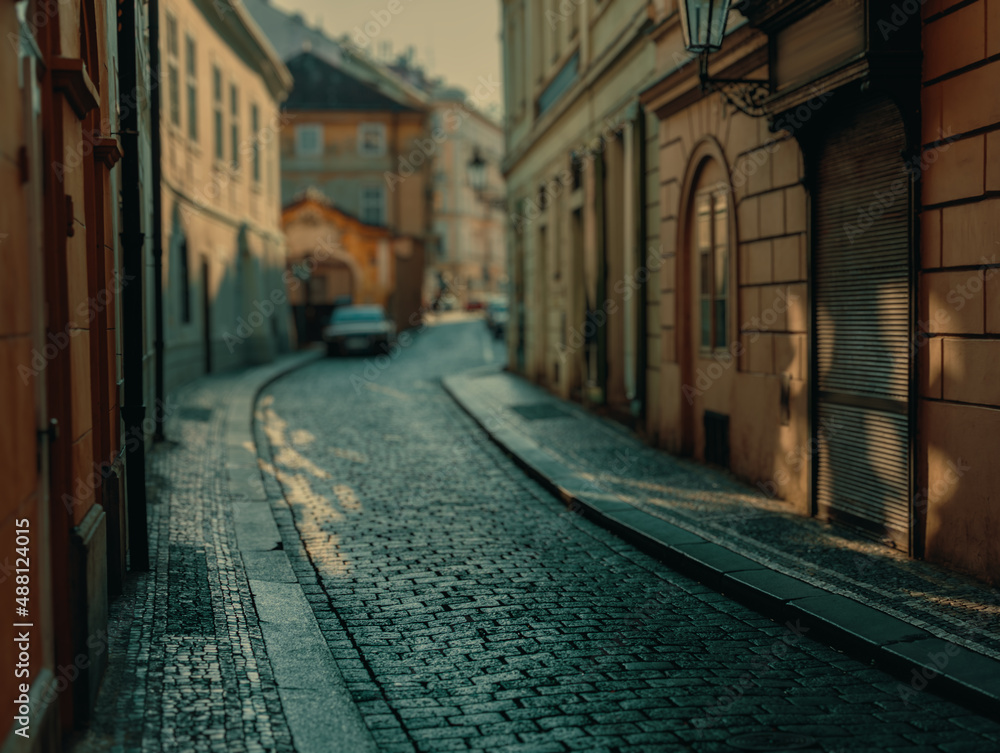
{"points": [[719, 353]]}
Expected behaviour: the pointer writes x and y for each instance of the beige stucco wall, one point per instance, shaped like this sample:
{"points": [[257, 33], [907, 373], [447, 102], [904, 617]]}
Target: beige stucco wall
{"points": [[230, 220], [616, 61]]}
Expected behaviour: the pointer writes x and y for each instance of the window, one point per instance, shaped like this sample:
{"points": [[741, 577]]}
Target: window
{"points": [[173, 73], [255, 131], [520, 65], [217, 112], [373, 205], [191, 64], [371, 139], [309, 140], [554, 22], [712, 235], [538, 41], [234, 127]]}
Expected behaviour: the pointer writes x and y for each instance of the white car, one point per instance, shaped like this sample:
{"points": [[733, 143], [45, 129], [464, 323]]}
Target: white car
{"points": [[358, 329]]}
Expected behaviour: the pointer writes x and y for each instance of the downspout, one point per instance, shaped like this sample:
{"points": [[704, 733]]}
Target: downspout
{"points": [[602, 273], [642, 324], [159, 414], [396, 209], [133, 409]]}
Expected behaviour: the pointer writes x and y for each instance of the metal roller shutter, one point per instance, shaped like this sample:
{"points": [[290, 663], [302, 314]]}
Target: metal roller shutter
{"points": [[862, 325]]}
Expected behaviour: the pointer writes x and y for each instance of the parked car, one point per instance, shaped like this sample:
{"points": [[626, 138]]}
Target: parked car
{"points": [[497, 314], [358, 329], [475, 303]]}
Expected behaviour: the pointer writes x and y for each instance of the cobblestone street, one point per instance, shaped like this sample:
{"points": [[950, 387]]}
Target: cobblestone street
{"points": [[466, 608]]}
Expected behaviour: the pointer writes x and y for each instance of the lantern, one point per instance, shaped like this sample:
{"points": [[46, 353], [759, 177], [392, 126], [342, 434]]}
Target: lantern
{"points": [[704, 24]]}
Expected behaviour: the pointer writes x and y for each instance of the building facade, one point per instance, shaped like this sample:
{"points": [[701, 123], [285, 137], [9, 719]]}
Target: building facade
{"points": [[335, 258], [581, 193], [958, 308], [470, 244], [818, 278], [355, 170], [356, 144], [223, 251], [73, 139]]}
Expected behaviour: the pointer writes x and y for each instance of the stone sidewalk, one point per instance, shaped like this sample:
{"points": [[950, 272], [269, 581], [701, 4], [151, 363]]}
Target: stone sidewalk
{"points": [[216, 648], [931, 627]]}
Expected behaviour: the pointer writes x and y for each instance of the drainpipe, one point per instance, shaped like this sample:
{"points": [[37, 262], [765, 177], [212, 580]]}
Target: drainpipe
{"points": [[642, 359], [159, 414], [133, 409]]}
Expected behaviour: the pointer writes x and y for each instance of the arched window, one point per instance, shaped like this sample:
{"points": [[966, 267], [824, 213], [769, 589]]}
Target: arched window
{"points": [[711, 245]]}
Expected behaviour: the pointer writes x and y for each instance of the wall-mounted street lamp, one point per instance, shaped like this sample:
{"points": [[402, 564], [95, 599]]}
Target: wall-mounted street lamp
{"points": [[703, 23], [477, 173], [478, 178]]}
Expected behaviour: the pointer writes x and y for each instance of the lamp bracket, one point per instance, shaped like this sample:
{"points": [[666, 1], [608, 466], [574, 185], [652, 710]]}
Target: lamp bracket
{"points": [[748, 95]]}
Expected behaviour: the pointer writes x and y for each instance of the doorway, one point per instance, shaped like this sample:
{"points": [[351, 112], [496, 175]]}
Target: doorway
{"points": [[206, 315], [705, 323], [863, 308]]}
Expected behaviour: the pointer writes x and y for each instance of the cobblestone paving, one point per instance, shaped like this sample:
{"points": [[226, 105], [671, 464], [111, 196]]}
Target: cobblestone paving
{"points": [[468, 610], [188, 670], [722, 509]]}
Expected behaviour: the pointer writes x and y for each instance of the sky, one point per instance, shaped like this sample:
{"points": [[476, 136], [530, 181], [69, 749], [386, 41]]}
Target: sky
{"points": [[456, 39]]}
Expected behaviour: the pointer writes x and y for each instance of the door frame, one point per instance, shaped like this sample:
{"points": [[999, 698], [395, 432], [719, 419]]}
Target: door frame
{"points": [[811, 138], [706, 149], [206, 314]]}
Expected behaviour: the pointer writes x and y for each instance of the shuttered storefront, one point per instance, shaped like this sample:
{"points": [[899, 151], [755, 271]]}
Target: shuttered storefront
{"points": [[862, 325]]}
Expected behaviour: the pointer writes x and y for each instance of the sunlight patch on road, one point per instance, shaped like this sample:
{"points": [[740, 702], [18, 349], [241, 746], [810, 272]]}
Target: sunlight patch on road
{"points": [[296, 474], [347, 498], [291, 458], [301, 436]]}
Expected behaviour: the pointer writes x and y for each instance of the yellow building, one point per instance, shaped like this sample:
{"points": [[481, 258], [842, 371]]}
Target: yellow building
{"points": [[581, 186], [363, 147], [830, 260], [817, 259], [223, 250], [334, 258]]}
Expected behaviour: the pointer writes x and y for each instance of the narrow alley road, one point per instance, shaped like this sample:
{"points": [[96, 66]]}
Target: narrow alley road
{"points": [[467, 609]]}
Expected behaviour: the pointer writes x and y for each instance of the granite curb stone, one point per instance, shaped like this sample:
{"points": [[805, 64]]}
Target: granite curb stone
{"points": [[317, 705], [859, 630]]}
